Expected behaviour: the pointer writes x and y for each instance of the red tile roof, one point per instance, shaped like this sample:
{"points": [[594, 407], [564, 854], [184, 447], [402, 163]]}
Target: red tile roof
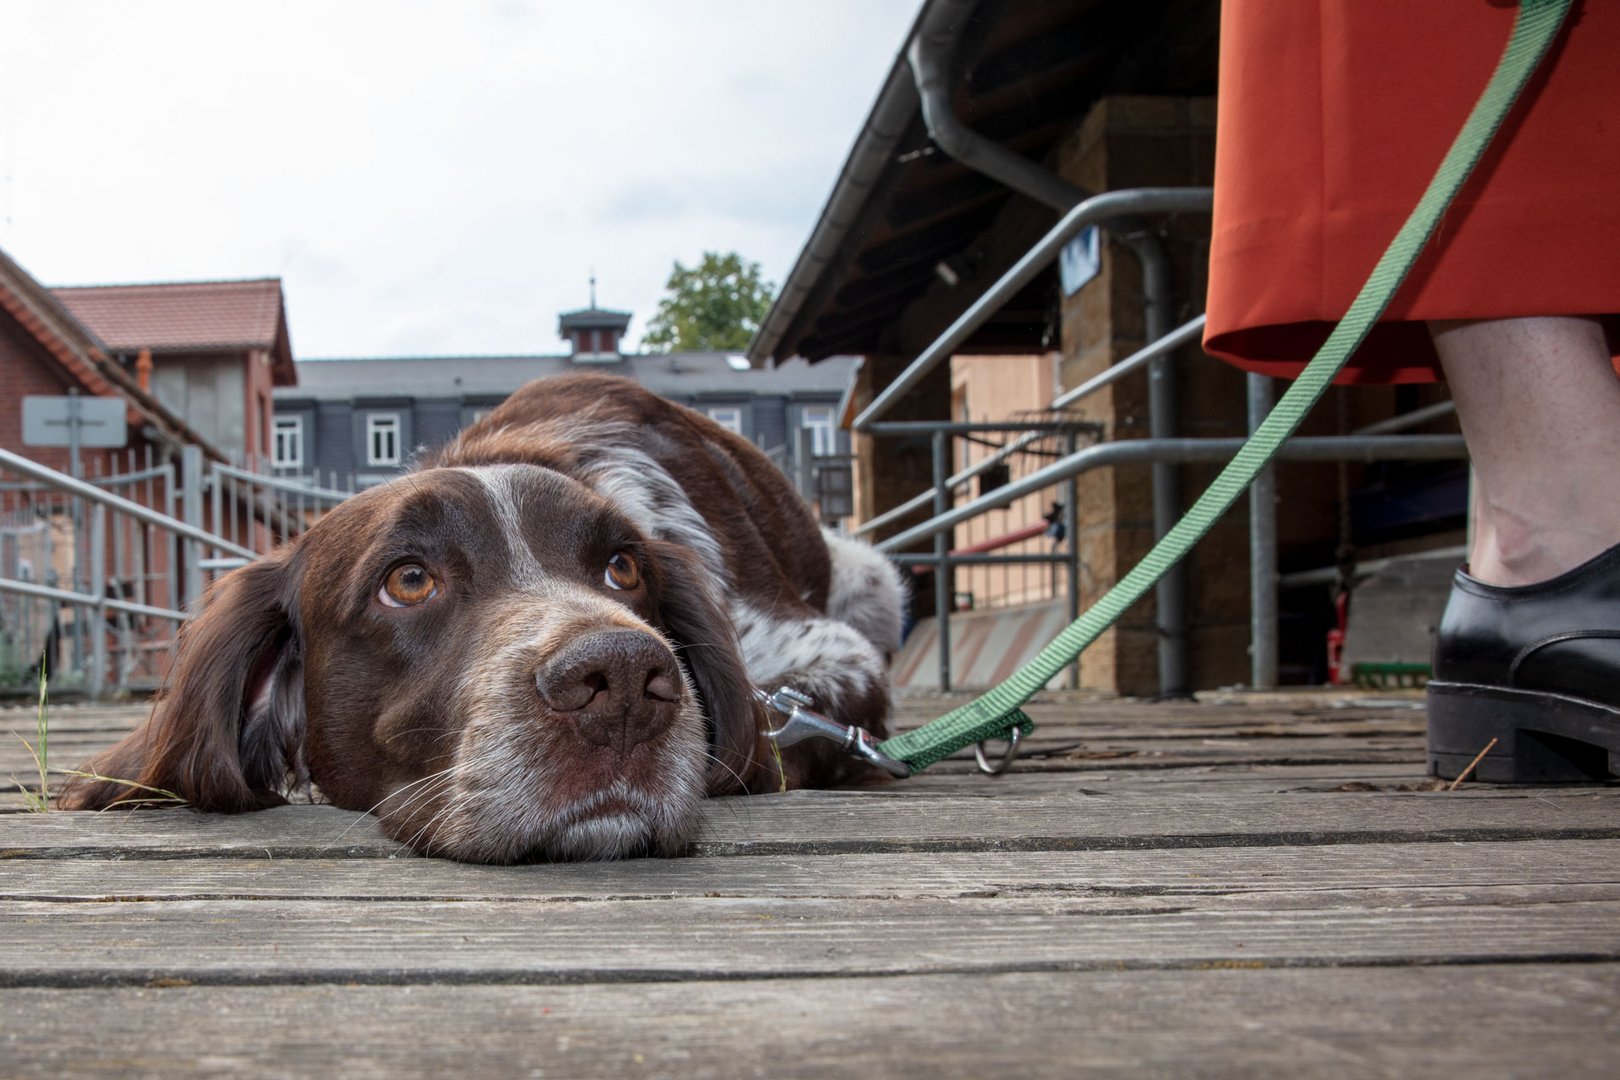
{"points": [[180, 315]]}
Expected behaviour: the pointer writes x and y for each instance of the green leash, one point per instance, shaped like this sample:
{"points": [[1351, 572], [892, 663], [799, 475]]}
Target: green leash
{"points": [[997, 713]]}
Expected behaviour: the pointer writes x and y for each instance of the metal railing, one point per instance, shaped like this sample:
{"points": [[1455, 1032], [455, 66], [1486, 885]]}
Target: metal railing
{"points": [[991, 566], [1375, 443], [97, 571]]}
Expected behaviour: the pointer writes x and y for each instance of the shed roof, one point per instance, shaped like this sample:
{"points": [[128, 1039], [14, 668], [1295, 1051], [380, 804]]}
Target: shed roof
{"points": [[903, 217]]}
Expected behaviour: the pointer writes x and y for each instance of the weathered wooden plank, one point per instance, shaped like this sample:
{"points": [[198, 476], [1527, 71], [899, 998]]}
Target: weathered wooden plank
{"points": [[1098, 778], [1235, 779], [272, 941], [1398, 870], [1076, 754], [283, 833], [1491, 1021], [1146, 735], [894, 819]]}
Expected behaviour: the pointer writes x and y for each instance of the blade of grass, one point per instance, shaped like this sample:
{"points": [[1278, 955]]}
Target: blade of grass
{"points": [[42, 759]]}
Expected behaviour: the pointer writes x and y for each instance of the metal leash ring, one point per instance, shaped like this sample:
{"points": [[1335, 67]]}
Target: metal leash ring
{"points": [[1015, 736]]}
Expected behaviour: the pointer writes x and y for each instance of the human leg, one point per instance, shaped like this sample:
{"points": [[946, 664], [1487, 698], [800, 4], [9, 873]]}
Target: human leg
{"points": [[1527, 654], [1539, 404]]}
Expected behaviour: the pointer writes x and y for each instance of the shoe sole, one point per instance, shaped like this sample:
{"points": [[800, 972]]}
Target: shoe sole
{"points": [[1541, 738]]}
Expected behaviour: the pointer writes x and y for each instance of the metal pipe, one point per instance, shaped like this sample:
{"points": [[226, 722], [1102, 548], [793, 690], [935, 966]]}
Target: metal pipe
{"points": [[942, 575], [1071, 526], [1328, 575], [81, 489], [98, 611], [929, 427], [1263, 643], [66, 596], [917, 502], [930, 55], [1110, 204], [1188, 452], [1007, 539], [1409, 420], [282, 484], [918, 558], [191, 505], [1170, 594], [1184, 334], [1188, 332]]}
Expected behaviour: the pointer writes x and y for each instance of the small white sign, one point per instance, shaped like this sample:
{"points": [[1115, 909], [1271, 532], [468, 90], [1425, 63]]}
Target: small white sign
{"points": [[1080, 260], [55, 421]]}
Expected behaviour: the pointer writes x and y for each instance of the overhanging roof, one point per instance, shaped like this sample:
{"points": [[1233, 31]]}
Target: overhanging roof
{"points": [[1028, 73]]}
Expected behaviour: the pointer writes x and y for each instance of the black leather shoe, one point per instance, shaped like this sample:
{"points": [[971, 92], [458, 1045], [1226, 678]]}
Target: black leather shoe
{"points": [[1535, 667]]}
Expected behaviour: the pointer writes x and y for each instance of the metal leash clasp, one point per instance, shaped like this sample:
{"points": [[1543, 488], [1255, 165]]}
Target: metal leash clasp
{"points": [[802, 722]]}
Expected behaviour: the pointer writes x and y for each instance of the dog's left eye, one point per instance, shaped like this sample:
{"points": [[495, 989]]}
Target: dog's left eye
{"points": [[407, 586], [622, 571]]}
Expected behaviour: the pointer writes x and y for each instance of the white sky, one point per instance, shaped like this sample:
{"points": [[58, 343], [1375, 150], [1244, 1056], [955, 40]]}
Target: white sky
{"points": [[427, 176]]}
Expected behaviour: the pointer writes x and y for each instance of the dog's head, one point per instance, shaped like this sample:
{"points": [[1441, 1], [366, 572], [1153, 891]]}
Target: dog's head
{"points": [[494, 660]]}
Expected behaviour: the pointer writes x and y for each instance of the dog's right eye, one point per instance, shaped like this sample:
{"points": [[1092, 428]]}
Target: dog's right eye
{"points": [[407, 586]]}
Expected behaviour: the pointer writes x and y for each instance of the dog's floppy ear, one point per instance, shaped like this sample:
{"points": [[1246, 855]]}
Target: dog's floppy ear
{"points": [[228, 731], [691, 614]]}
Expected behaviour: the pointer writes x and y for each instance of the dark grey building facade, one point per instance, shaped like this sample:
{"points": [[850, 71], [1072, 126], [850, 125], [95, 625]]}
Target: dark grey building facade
{"points": [[364, 421]]}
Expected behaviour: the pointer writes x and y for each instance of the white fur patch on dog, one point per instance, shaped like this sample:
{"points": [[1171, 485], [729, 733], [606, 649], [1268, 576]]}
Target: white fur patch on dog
{"points": [[829, 660], [866, 591]]}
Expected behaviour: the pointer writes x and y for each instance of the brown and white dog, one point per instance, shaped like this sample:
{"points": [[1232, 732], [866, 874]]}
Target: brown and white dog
{"points": [[542, 644]]}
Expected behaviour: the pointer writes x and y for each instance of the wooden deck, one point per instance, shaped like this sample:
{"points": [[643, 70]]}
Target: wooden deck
{"points": [[1247, 886]]}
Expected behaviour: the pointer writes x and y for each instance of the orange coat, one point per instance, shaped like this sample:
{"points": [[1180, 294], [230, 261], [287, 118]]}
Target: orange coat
{"points": [[1332, 117]]}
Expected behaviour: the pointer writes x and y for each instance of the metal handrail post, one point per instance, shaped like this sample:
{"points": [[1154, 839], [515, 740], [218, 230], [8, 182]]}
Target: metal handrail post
{"points": [[1098, 208], [1263, 633], [942, 568], [1170, 594], [98, 612], [191, 509], [1071, 526]]}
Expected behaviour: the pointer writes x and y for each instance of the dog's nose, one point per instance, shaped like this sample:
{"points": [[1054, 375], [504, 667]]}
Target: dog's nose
{"points": [[620, 687]]}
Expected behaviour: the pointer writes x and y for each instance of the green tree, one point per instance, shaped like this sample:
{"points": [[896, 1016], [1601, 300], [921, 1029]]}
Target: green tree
{"points": [[715, 306]]}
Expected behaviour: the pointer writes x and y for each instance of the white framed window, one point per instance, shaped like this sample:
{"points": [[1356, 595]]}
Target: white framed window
{"points": [[287, 442], [382, 439], [727, 416], [823, 436]]}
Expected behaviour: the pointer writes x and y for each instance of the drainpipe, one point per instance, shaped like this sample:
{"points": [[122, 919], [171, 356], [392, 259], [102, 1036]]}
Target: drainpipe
{"points": [[930, 55]]}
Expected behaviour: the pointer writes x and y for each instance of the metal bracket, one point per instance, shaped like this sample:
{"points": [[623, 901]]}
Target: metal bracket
{"points": [[801, 723]]}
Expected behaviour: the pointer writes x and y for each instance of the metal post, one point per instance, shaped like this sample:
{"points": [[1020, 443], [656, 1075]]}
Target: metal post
{"points": [[1170, 595], [1262, 552], [942, 566], [1071, 528], [76, 580], [98, 589], [191, 512]]}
